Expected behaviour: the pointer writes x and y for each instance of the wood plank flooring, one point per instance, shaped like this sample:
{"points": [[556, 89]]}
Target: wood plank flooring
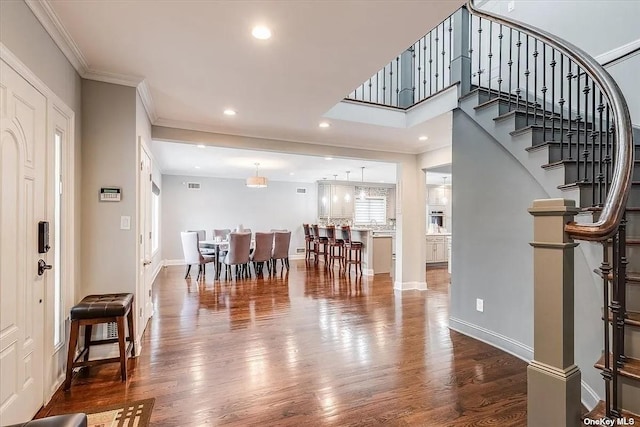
{"points": [[309, 348]]}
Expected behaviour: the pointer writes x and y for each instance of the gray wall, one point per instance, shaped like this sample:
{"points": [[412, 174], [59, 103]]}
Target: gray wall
{"points": [[108, 159], [493, 261], [22, 33], [225, 203]]}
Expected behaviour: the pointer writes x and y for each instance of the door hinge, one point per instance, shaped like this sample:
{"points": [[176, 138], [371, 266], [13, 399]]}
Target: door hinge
{"points": [[149, 235], [150, 178], [141, 166], [149, 293], [140, 311], [141, 239]]}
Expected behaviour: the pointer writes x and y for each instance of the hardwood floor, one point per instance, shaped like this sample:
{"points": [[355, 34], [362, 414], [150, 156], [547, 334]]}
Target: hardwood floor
{"points": [[307, 348]]}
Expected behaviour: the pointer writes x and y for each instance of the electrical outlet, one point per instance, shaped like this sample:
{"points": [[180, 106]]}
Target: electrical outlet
{"points": [[480, 305], [125, 223]]}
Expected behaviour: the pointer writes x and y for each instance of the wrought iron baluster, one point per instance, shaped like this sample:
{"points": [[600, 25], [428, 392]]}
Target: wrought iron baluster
{"points": [[384, 86], [578, 119], [605, 271], [600, 158], [622, 294], [535, 82], [436, 56], [479, 49], [569, 97], [370, 86], [413, 76], [417, 81], [585, 153], [526, 78], [593, 144], [490, 54], [443, 56], [615, 312], [608, 169], [518, 45], [510, 63], [397, 81], [470, 50], [391, 84], [430, 63], [424, 66], [544, 89], [450, 46], [500, 36]]}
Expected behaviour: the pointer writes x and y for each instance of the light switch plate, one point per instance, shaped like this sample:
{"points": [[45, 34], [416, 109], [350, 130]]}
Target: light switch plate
{"points": [[480, 305], [125, 223]]}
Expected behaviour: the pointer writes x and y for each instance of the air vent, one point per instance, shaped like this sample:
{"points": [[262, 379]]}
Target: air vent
{"points": [[193, 185], [301, 190], [299, 250]]}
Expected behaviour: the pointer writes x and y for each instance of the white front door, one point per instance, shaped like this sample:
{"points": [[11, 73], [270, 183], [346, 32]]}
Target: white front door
{"points": [[22, 206]]}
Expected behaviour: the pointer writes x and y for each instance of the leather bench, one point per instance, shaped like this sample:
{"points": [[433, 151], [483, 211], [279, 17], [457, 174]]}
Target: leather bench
{"points": [[95, 309], [71, 420]]}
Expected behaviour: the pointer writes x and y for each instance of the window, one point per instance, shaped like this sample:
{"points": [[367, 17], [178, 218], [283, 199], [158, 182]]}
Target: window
{"points": [[371, 210], [155, 221]]}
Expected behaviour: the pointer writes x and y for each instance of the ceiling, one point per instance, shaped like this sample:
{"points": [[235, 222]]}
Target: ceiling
{"points": [[182, 159], [198, 58]]}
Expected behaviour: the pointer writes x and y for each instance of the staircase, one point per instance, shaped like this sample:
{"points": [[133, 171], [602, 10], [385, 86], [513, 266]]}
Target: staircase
{"points": [[561, 115]]}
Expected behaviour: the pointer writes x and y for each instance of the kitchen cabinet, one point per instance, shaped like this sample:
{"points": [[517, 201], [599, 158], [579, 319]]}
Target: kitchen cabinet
{"points": [[335, 201], [437, 250]]}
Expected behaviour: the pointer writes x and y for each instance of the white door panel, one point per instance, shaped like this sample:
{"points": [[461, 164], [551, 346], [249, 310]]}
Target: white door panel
{"points": [[22, 205]]}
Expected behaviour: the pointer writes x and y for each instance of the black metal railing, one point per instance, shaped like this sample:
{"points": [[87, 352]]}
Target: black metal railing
{"points": [[416, 74]]}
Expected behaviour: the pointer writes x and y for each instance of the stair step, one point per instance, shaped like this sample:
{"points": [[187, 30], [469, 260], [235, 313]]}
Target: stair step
{"points": [[586, 194], [631, 368], [571, 167], [524, 119], [505, 107], [554, 148], [484, 95], [599, 413], [540, 136]]}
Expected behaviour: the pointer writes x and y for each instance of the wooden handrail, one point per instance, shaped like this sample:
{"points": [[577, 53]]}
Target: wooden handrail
{"points": [[615, 204]]}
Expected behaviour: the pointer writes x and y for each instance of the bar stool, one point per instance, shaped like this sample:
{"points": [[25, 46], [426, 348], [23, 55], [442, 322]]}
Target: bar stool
{"points": [[335, 244], [95, 309], [309, 242], [320, 244], [353, 251]]}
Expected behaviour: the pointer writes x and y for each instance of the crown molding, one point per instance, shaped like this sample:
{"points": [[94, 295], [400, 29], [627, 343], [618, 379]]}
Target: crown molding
{"points": [[45, 14], [147, 101], [115, 78]]}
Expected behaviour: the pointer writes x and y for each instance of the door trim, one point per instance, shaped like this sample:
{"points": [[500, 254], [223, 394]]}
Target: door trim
{"points": [[55, 104]]}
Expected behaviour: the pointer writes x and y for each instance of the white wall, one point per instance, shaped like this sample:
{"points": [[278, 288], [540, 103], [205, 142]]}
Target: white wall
{"points": [[226, 203]]}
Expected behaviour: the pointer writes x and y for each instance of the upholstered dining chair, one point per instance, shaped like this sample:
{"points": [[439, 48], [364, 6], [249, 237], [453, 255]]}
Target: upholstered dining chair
{"points": [[281, 250], [238, 252], [262, 252], [202, 235], [223, 233], [192, 254]]}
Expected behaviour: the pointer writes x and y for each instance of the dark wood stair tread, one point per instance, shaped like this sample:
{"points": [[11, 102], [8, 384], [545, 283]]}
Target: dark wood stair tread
{"points": [[631, 368], [599, 412], [586, 184]]}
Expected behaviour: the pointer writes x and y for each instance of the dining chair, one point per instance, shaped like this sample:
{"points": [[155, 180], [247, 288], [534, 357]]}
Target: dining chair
{"points": [[262, 251], [192, 254], [280, 251], [202, 235], [238, 252], [223, 233]]}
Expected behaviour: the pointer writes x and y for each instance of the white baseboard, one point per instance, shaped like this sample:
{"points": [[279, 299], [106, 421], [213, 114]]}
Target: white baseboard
{"points": [[168, 262], [407, 286], [504, 343], [157, 270], [589, 397]]}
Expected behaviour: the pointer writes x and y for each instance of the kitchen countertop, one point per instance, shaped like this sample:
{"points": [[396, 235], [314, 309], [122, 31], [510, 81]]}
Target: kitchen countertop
{"points": [[438, 234]]}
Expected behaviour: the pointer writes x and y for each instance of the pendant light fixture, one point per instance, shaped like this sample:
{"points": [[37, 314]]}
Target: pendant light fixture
{"points": [[257, 181], [362, 194], [444, 189], [347, 196]]}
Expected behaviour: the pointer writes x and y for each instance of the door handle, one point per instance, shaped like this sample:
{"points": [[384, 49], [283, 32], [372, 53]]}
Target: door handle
{"points": [[42, 266], [145, 263]]}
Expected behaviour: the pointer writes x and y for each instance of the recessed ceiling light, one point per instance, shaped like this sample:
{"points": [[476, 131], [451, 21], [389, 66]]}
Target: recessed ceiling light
{"points": [[229, 112], [197, 167], [201, 146], [291, 173], [261, 32], [423, 138], [328, 158], [324, 124]]}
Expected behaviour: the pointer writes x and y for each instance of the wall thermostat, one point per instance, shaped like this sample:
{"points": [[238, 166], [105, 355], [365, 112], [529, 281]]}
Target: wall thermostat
{"points": [[110, 194]]}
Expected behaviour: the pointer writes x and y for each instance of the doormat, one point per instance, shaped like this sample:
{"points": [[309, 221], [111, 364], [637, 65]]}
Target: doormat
{"points": [[129, 414]]}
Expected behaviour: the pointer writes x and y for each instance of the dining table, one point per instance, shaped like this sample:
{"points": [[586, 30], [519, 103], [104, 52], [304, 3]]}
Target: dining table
{"points": [[217, 246]]}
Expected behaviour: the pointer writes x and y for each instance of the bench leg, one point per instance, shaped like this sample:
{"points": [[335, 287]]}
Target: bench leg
{"points": [[132, 336], [87, 340], [73, 342], [123, 348]]}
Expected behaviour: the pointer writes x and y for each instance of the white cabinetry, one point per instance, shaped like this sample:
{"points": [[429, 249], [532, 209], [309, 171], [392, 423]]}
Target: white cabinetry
{"points": [[437, 250], [335, 201]]}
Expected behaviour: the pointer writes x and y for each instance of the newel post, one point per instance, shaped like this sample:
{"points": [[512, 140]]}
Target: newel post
{"points": [[553, 379], [460, 61]]}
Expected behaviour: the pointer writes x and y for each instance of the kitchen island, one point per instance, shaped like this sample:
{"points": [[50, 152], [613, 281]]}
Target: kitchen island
{"points": [[377, 250]]}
